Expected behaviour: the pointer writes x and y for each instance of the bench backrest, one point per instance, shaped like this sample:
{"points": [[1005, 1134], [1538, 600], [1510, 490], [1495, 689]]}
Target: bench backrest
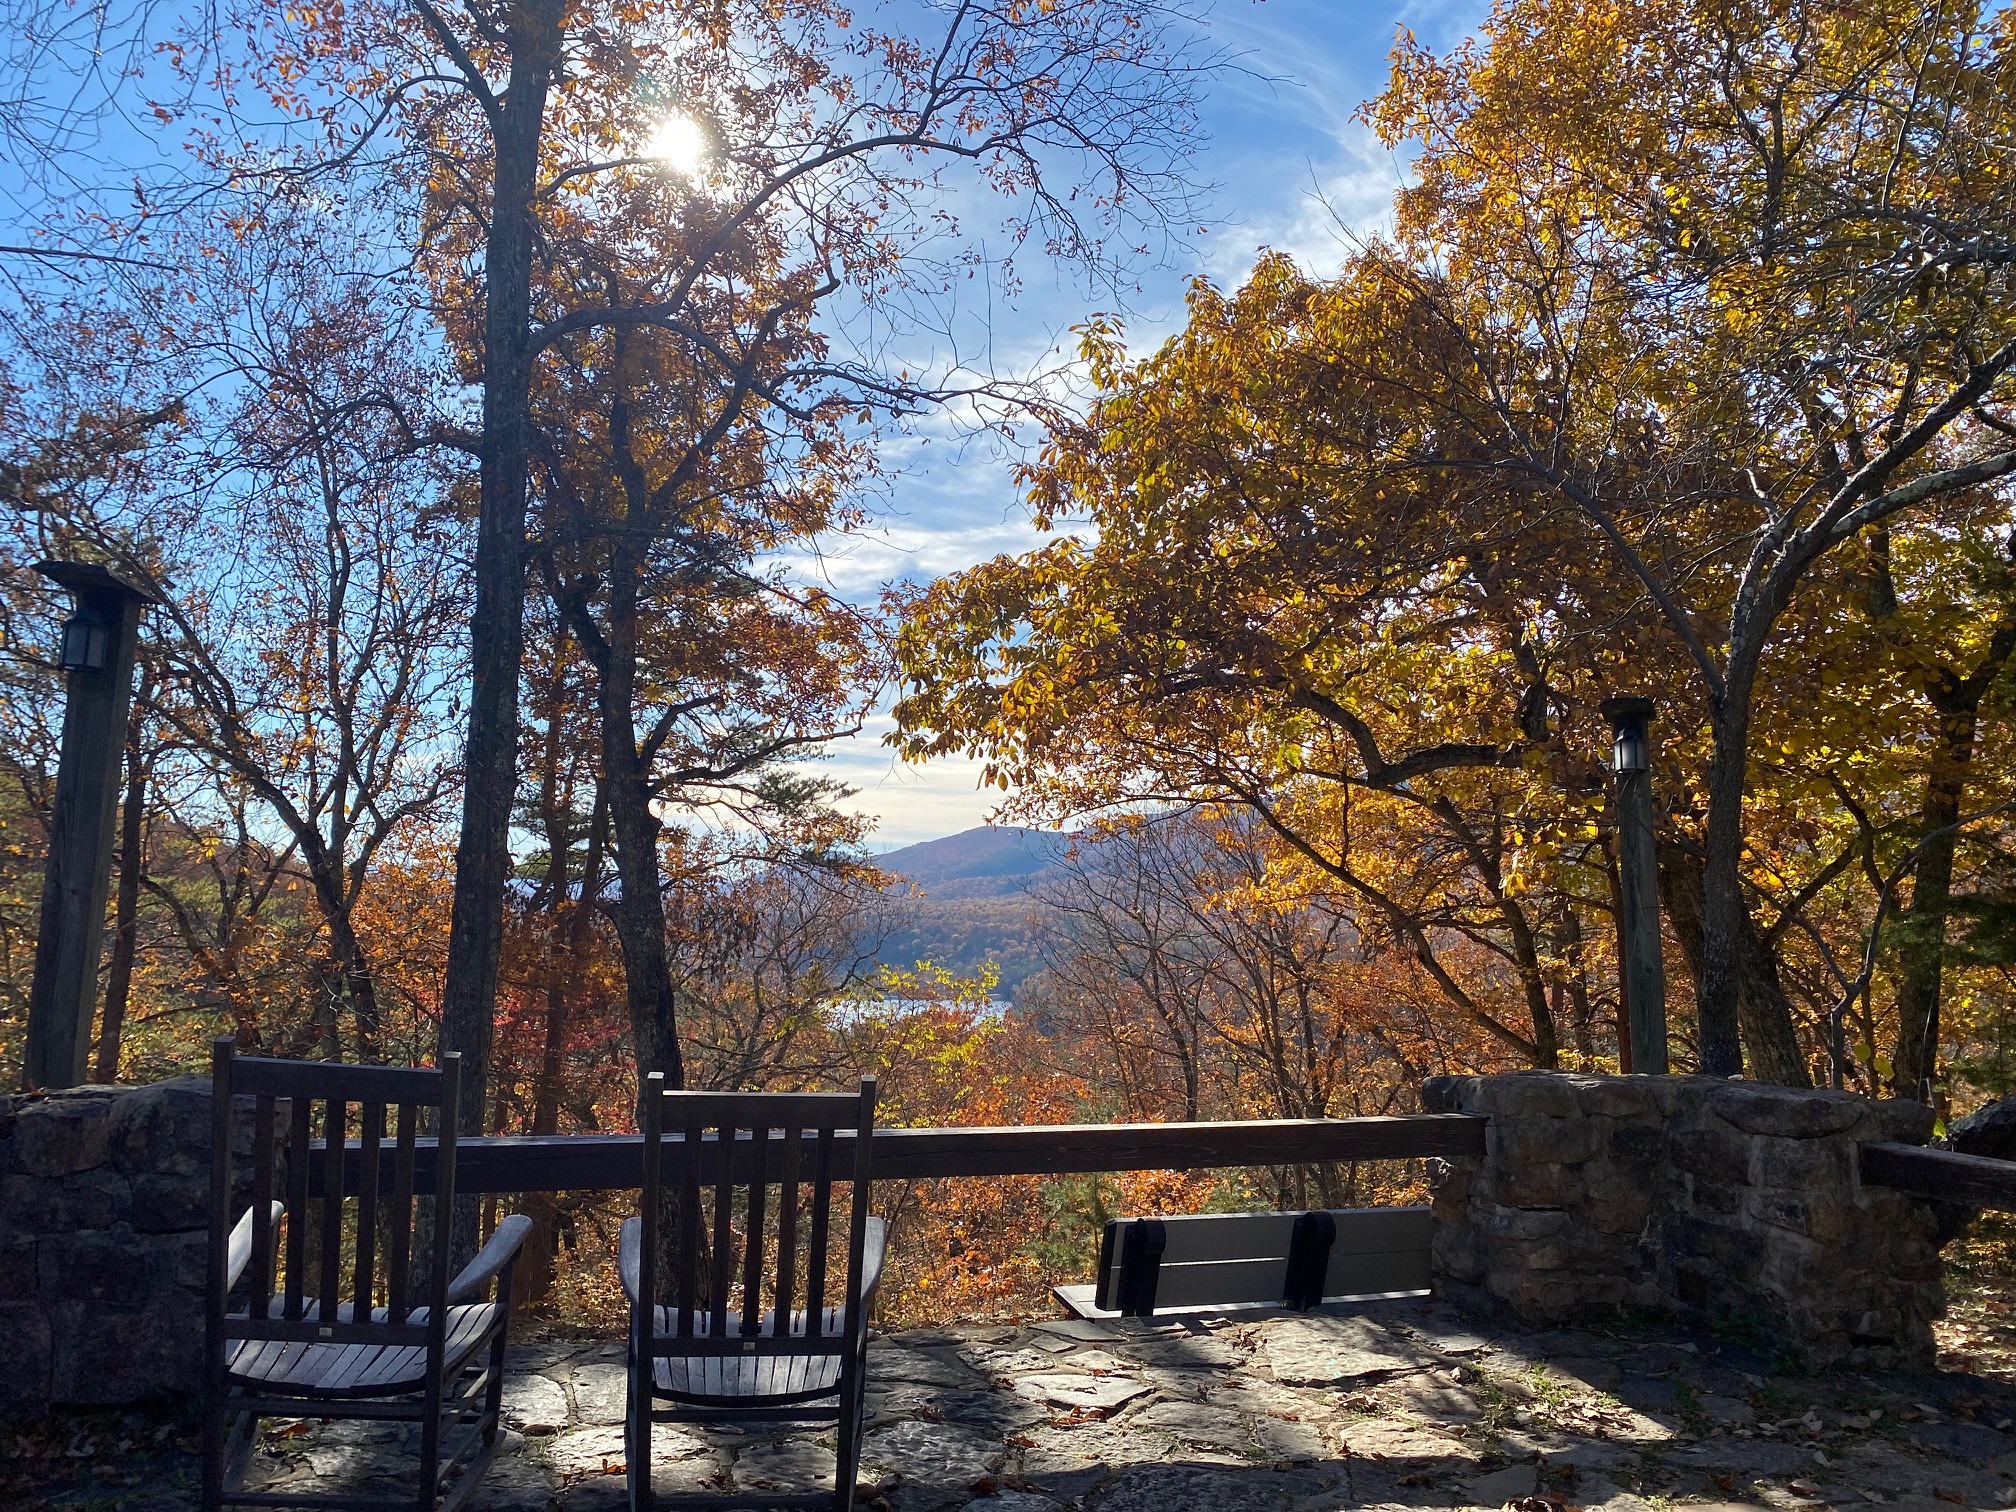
{"points": [[1285, 1259]]}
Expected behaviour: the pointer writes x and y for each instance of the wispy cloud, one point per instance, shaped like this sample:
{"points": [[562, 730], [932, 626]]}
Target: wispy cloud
{"points": [[909, 803], [1296, 172], [857, 565]]}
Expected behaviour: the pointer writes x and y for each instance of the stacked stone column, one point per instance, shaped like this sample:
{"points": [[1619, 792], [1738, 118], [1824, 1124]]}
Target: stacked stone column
{"points": [[104, 1224], [1730, 1201]]}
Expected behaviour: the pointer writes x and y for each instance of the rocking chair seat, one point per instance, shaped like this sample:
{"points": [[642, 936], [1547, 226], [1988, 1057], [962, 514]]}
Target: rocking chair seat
{"points": [[335, 1371], [712, 1380]]}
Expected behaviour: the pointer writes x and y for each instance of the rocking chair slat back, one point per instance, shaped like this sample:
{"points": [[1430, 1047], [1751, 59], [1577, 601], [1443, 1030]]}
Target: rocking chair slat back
{"points": [[822, 1203], [787, 1217], [717, 1352], [369, 1134], [752, 1150], [262, 1199], [342, 1254], [297, 1204], [397, 1284]]}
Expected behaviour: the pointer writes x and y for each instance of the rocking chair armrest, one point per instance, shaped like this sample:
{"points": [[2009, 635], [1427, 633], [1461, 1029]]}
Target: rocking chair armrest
{"points": [[238, 1248], [498, 1253], [630, 1257]]}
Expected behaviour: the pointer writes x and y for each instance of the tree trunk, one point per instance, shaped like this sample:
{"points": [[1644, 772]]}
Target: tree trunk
{"points": [[1581, 1014], [497, 626], [1718, 980], [1765, 1014], [1533, 978], [360, 988], [569, 922], [1924, 943], [326, 1015], [1957, 701], [640, 916], [626, 785], [125, 911]]}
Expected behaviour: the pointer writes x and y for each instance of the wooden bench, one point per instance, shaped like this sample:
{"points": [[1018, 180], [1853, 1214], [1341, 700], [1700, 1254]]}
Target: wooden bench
{"points": [[1219, 1261]]}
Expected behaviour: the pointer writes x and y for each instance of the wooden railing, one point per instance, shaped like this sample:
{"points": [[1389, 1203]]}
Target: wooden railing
{"points": [[1944, 1175], [615, 1162]]}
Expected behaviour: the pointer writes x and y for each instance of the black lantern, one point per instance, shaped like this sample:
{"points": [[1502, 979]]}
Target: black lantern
{"points": [[87, 644], [1630, 734]]}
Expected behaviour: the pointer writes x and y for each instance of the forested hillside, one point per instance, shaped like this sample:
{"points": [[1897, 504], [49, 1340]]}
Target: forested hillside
{"points": [[976, 910]]}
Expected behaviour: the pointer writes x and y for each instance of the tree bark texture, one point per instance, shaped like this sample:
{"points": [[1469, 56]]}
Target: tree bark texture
{"points": [[125, 911], [1723, 914], [1924, 946], [497, 626], [1764, 1012]]}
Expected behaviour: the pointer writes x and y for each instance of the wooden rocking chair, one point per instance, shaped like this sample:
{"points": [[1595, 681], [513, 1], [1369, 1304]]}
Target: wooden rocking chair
{"points": [[702, 1359], [426, 1350]]}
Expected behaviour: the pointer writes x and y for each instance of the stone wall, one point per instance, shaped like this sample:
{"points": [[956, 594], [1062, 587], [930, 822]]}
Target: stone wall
{"points": [[1726, 1200], [1731, 1201], [104, 1223]]}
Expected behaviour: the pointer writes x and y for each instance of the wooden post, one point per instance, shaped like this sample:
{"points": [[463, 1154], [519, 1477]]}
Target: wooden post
{"points": [[98, 647], [1638, 878]]}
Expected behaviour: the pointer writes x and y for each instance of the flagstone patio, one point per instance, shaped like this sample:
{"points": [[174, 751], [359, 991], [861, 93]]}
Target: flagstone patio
{"points": [[1404, 1405]]}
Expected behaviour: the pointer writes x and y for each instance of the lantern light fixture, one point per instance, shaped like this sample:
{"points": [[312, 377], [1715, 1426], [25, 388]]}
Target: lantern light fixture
{"points": [[87, 644], [1630, 719]]}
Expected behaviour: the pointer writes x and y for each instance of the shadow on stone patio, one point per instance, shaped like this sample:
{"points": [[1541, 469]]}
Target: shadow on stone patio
{"points": [[1396, 1405]]}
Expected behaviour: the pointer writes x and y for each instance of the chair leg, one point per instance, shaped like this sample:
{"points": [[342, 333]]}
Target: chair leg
{"points": [[637, 1428], [847, 1459], [430, 1449], [213, 1449], [493, 1393]]}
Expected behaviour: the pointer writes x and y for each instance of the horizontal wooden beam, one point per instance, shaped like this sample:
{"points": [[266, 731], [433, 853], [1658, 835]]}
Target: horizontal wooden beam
{"points": [[615, 1162], [1945, 1175]]}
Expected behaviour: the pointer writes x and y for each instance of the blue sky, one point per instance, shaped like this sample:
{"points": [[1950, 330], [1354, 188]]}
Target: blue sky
{"points": [[1286, 167], [1292, 171]]}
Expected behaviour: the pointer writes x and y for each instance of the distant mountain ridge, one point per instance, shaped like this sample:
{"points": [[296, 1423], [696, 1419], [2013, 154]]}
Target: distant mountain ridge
{"points": [[973, 910], [989, 861]]}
